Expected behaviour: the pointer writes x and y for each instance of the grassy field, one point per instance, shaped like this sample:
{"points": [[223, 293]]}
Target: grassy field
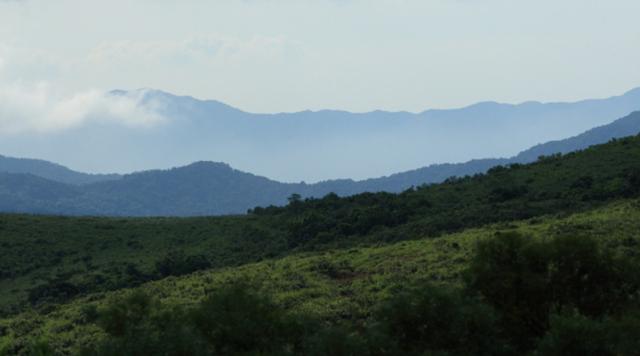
{"points": [[335, 285]]}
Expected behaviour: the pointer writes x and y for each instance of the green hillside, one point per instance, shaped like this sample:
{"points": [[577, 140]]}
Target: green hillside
{"points": [[335, 285], [337, 261], [46, 259]]}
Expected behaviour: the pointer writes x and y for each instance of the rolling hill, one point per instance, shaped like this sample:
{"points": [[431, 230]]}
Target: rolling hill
{"points": [[207, 188], [332, 259], [50, 171]]}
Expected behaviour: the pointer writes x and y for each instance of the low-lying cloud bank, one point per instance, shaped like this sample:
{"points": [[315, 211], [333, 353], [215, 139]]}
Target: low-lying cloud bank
{"points": [[39, 108]]}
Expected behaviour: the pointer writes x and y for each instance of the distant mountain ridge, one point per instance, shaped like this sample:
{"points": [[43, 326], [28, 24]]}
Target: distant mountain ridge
{"points": [[311, 145], [209, 188], [51, 171]]}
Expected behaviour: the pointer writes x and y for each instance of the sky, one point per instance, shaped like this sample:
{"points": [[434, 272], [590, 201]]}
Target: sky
{"points": [[58, 56]]}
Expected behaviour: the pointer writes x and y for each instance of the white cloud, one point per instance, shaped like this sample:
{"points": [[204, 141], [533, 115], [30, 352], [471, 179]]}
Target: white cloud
{"points": [[39, 108]]}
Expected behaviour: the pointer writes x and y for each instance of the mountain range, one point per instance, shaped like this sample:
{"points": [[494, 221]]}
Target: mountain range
{"points": [[309, 146], [210, 188]]}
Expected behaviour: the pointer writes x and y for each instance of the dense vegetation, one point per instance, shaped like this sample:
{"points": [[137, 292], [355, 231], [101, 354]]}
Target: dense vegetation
{"points": [[346, 296], [46, 259], [206, 188], [563, 296], [528, 257]]}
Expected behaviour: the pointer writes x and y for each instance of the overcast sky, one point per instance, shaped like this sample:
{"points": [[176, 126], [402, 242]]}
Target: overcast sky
{"points": [[290, 55]]}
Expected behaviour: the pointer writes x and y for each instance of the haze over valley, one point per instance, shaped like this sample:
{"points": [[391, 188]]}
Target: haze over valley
{"points": [[307, 146]]}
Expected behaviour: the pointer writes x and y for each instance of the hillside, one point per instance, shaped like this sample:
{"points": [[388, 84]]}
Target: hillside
{"points": [[40, 252], [207, 188], [333, 260], [626, 126], [335, 285]]}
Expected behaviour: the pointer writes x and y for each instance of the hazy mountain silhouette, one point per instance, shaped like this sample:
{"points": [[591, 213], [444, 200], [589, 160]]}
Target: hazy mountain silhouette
{"points": [[313, 145], [50, 171], [207, 188]]}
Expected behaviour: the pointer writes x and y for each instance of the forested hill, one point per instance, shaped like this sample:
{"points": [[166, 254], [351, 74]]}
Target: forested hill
{"points": [[557, 183], [627, 126], [207, 188]]}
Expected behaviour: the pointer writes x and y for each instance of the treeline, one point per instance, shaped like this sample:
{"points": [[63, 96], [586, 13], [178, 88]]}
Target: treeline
{"points": [[554, 184], [563, 296]]}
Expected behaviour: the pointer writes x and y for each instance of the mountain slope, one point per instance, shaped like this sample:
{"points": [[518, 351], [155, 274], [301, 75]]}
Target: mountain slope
{"points": [[626, 126]]}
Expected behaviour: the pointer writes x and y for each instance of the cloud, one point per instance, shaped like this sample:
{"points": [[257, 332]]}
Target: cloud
{"points": [[38, 108], [200, 48]]}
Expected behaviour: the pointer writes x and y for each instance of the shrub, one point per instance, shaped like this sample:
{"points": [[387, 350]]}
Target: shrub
{"points": [[525, 280], [335, 341], [176, 263], [56, 291], [235, 320], [139, 325], [575, 335], [437, 319]]}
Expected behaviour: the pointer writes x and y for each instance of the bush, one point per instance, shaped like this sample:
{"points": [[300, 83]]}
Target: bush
{"points": [[510, 272], [525, 280], [40, 347], [575, 335], [437, 320], [125, 316], [235, 320], [176, 263], [335, 341], [56, 291], [139, 325], [230, 321]]}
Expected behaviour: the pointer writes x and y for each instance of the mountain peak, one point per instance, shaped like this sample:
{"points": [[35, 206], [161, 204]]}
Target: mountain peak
{"points": [[633, 92], [171, 101], [209, 165]]}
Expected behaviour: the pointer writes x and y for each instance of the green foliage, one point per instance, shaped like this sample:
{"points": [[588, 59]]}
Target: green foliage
{"points": [[52, 292], [41, 347], [176, 263], [526, 279], [231, 321], [439, 320], [336, 340], [575, 334], [50, 260], [140, 325], [235, 320]]}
